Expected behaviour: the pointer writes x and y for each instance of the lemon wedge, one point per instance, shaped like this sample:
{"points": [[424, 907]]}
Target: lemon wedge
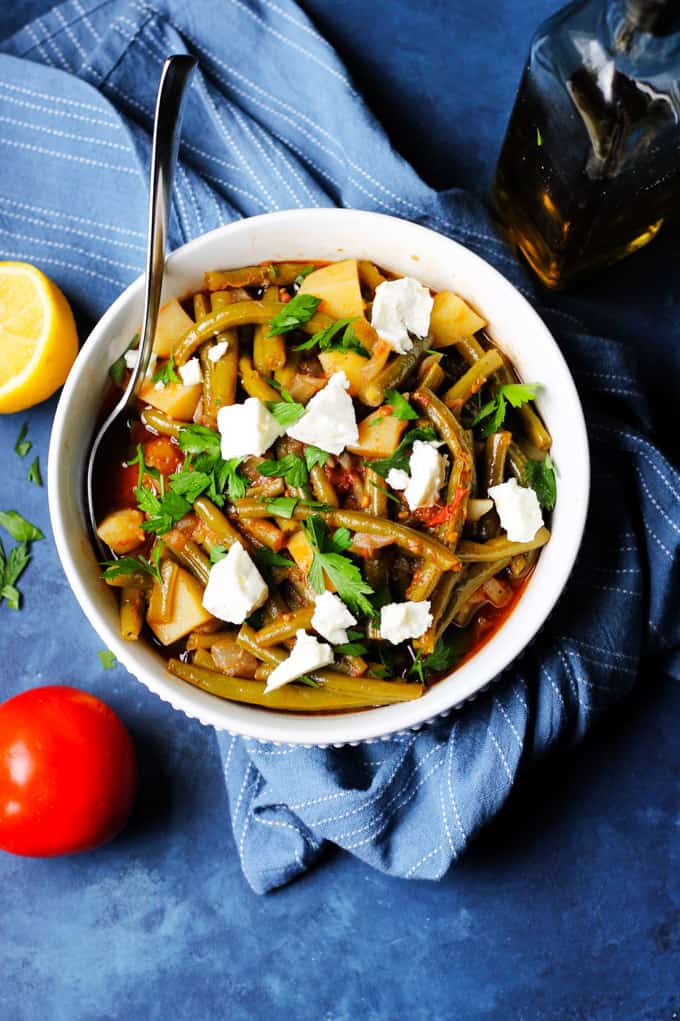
{"points": [[38, 339]]}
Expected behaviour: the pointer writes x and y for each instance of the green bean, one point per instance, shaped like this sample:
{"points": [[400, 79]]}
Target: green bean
{"points": [[291, 698], [377, 494], [137, 579], [253, 383], [522, 564], [247, 638], [237, 313], [424, 580], [322, 487], [494, 549], [470, 348], [472, 380], [459, 609], [266, 532], [495, 452], [131, 613], [169, 575], [280, 273], [160, 423], [460, 476], [269, 353], [496, 449], [431, 373], [285, 627], [202, 658], [517, 460], [394, 374], [190, 555], [197, 640], [438, 604], [201, 305], [218, 523]]}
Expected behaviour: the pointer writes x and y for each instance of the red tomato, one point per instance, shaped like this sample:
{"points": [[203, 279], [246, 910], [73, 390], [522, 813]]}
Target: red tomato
{"points": [[67, 772], [163, 454]]}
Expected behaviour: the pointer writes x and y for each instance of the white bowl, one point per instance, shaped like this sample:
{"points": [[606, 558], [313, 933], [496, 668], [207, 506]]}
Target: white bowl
{"points": [[326, 234]]}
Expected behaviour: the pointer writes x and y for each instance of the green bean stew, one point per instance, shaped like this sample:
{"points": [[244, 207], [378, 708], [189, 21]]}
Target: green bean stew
{"points": [[333, 491]]}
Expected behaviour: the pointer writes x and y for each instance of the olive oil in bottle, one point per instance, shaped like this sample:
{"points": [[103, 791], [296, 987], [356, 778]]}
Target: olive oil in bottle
{"points": [[590, 166]]}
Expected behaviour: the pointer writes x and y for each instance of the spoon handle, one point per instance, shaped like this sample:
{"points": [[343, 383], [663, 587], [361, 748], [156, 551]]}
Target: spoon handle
{"points": [[167, 123]]}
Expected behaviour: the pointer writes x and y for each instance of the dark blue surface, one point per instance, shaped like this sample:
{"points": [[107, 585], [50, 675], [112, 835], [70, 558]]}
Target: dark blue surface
{"points": [[568, 907]]}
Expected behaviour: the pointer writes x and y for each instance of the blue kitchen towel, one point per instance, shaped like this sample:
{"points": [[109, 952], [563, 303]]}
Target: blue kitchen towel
{"points": [[273, 121]]}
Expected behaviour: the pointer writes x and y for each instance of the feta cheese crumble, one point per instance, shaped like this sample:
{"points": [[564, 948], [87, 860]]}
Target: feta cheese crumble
{"points": [[397, 478], [329, 421], [130, 359], [235, 587], [247, 428], [218, 351], [401, 307], [190, 372], [308, 654], [401, 621], [427, 469], [519, 510], [332, 618]]}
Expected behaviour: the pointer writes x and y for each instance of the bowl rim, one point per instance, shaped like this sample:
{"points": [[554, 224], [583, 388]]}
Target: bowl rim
{"points": [[337, 729]]}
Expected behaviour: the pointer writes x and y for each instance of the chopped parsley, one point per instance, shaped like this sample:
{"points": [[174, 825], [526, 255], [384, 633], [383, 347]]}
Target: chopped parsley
{"points": [[329, 559], [11, 568], [448, 650], [107, 659], [22, 445], [167, 373], [133, 564], [401, 408], [268, 558], [400, 457], [295, 314], [539, 137], [282, 506], [291, 468], [314, 455], [207, 463], [163, 512], [541, 478], [516, 394], [217, 553], [287, 411], [339, 336], [19, 528], [34, 473]]}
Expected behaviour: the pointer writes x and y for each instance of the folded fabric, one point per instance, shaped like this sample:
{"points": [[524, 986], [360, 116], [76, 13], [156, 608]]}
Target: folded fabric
{"points": [[273, 121]]}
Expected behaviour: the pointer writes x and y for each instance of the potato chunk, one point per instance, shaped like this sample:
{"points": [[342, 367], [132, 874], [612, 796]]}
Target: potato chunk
{"points": [[338, 287], [188, 612], [452, 319], [175, 399], [173, 323], [122, 530], [379, 434]]}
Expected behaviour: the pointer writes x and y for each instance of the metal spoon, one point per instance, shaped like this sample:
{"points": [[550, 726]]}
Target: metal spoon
{"points": [[167, 122]]}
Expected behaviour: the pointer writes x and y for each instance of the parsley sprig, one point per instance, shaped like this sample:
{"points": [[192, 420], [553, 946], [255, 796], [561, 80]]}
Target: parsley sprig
{"points": [[22, 445], [329, 559], [401, 408], [541, 478], [448, 650], [291, 468], [314, 455], [287, 411], [339, 336], [295, 314], [11, 568], [167, 374], [494, 410], [214, 474], [134, 564]]}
